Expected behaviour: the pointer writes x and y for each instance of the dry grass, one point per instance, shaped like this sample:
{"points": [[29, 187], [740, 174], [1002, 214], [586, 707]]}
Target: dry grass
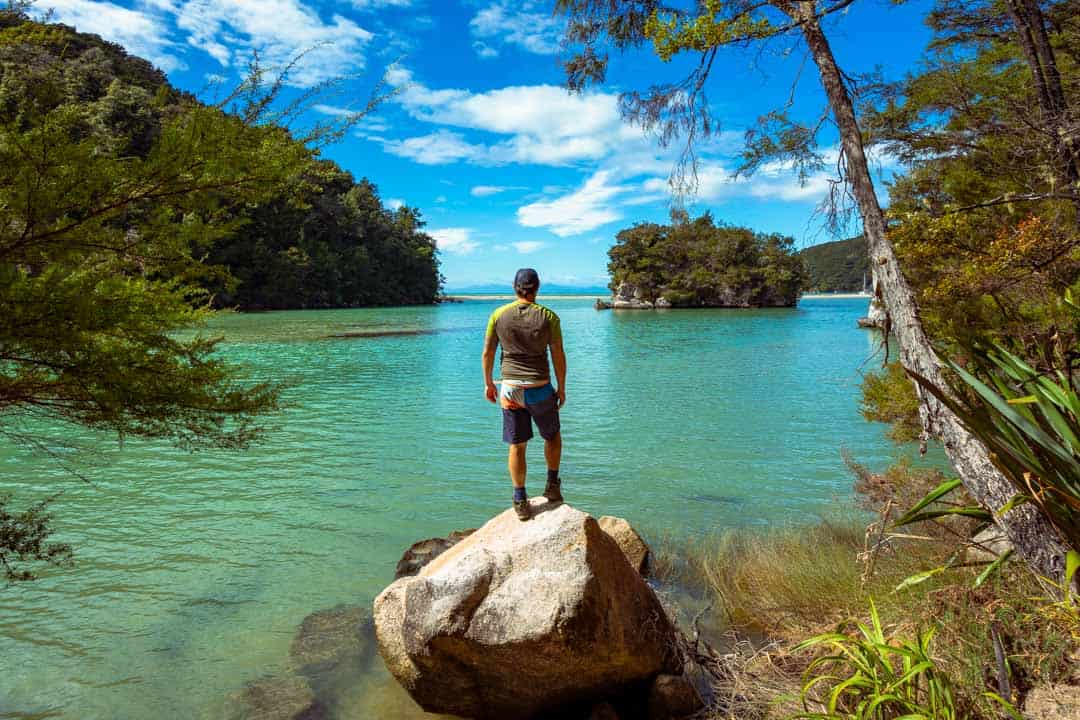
{"points": [[781, 583], [766, 590]]}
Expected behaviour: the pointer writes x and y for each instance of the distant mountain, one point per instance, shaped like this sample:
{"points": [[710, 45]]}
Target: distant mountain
{"points": [[506, 289], [839, 266]]}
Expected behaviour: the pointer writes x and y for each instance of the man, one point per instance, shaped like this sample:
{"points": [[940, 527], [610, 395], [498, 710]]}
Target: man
{"points": [[526, 331]]}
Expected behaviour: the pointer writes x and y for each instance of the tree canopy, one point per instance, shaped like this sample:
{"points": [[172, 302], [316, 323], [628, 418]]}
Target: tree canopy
{"points": [[695, 263], [128, 211]]}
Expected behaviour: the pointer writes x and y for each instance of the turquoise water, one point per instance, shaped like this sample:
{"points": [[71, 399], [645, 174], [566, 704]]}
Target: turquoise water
{"points": [[193, 571]]}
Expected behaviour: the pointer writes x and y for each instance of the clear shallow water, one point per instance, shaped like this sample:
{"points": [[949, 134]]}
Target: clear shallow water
{"points": [[193, 571]]}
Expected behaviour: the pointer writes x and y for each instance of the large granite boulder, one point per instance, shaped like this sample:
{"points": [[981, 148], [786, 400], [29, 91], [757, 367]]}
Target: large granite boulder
{"points": [[628, 540], [628, 297], [523, 618], [421, 553]]}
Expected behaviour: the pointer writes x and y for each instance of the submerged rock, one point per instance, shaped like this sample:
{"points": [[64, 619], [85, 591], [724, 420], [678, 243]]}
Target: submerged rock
{"points": [[331, 648], [523, 617], [633, 547], [280, 698], [420, 554]]}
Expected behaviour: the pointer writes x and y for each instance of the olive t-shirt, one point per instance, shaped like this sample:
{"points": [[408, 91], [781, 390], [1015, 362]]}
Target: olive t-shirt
{"points": [[524, 330]]}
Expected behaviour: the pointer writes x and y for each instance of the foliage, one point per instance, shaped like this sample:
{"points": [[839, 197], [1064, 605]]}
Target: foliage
{"points": [[700, 263], [839, 266], [335, 245], [96, 257], [889, 397], [23, 539], [1031, 423], [319, 239], [869, 676], [985, 221]]}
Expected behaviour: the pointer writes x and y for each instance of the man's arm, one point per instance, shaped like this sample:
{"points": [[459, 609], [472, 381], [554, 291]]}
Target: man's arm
{"points": [[558, 360], [487, 361]]}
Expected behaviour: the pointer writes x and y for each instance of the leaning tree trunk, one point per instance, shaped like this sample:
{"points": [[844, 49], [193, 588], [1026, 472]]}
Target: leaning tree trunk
{"points": [[1035, 539]]}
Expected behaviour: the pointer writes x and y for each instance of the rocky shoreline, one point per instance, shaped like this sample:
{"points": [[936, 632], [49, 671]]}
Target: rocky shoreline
{"points": [[628, 297]]}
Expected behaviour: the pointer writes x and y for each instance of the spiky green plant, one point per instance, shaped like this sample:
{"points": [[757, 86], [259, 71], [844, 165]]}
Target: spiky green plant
{"points": [[871, 677], [1031, 423]]}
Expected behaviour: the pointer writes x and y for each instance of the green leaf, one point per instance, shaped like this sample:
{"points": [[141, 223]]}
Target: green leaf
{"points": [[1015, 500], [921, 577], [940, 491], [1007, 706], [971, 511], [993, 567]]}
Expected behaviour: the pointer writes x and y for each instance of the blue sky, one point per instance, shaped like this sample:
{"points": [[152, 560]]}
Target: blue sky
{"points": [[507, 168]]}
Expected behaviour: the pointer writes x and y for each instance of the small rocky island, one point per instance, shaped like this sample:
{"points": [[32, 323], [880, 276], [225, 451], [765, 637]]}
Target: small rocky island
{"points": [[700, 263]]}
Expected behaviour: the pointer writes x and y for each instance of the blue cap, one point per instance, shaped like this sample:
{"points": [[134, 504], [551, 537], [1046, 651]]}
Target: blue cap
{"points": [[526, 280]]}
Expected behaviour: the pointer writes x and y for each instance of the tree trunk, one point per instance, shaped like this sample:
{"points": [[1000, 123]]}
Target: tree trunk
{"points": [[1034, 538]]}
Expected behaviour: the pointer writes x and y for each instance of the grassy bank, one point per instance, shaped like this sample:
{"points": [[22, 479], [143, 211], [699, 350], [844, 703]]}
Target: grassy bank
{"points": [[756, 595]]}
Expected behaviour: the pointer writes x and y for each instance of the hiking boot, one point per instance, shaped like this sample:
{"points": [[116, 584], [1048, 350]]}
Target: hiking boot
{"points": [[553, 491], [523, 510]]}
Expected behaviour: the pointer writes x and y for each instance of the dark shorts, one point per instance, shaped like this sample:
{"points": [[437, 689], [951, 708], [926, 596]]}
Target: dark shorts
{"points": [[541, 406]]}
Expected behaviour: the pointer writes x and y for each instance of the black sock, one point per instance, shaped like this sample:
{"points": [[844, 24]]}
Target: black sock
{"points": [[553, 477], [519, 494]]}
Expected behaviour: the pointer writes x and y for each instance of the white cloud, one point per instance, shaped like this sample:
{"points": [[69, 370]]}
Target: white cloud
{"points": [[229, 31], [437, 148], [485, 51], [440, 199], [142, 33], [529, 246], [332, 110], [587, 208], [279, 30], [542, 124], [486, 190], [379, 4], [457, 241], [525, 23], [395, 203]]}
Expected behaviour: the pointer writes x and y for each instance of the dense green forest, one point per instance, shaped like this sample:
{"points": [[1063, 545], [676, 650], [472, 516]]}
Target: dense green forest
{"points": [[324, 240], [696, 263], [839, 266]]}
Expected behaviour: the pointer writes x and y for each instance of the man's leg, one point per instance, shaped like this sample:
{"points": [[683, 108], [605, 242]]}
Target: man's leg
{"points": [[553, 453], [517, 466]]}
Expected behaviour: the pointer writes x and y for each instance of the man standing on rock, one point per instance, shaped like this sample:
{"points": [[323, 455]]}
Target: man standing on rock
{"points": [[526, 331]]}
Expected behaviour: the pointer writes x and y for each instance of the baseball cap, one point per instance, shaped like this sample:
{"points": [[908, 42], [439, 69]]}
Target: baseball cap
{"points": [[526, 279]]}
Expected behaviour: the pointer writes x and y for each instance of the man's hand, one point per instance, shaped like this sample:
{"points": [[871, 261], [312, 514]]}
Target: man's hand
{"points": [[491, 392], [561, 394]]}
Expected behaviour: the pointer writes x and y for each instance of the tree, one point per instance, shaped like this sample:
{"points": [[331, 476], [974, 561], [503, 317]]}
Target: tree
{"points": [[113, 188], [681, 109]]}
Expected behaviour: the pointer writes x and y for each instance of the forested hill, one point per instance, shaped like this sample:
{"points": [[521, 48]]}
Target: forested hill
{"points": [[322, 240], [840, 266]]}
